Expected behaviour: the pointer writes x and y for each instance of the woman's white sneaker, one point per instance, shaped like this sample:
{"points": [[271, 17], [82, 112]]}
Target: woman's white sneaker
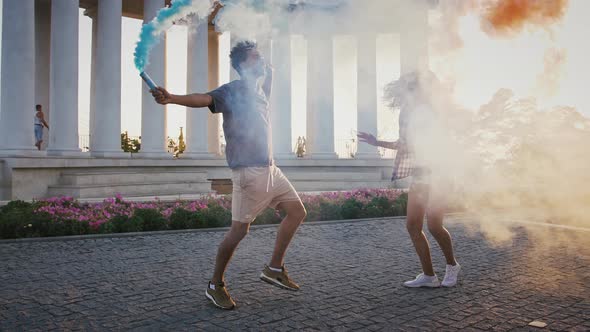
{"points": [[423, 280], [451, 275]]}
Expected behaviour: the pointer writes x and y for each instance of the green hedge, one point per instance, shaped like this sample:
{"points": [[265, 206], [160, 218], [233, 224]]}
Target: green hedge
{"points": [[19, 219]]}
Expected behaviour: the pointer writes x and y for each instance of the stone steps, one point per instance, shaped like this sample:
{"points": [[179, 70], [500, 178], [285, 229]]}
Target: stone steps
{"points": [[337, 185], [370, 176], [131, 189], [99, 183], [335, 180], [102, 183], [122, 177]]}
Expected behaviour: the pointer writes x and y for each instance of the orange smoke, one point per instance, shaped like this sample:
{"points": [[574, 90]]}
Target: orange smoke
{"points": [[506, 16]]}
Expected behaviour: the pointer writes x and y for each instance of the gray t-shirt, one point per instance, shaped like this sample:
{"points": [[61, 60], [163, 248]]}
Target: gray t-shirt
{"points": [[246, 124]]}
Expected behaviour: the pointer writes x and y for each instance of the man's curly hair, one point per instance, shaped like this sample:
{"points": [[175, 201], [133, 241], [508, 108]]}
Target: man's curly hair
{"points": [[239, 53]]}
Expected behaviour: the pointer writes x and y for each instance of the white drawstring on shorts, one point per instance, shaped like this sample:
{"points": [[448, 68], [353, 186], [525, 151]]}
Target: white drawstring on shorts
{"points": [[270, 178]]}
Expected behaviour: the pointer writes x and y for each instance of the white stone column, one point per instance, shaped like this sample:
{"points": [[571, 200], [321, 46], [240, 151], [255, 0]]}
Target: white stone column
{"points": [[414, 38], [153, 115], [63, 138], [106, 132], [367, 93], [92, 106], [281, 98], [214, 120], [197, 81], [320, 97], [18, 78], [42, 63]]}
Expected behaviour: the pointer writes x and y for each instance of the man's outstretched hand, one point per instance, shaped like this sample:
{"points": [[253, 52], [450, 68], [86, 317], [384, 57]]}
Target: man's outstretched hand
{"points": [[161, 96]]}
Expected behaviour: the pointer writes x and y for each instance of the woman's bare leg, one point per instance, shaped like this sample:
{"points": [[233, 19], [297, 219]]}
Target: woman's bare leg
{"points": [[417, 203]]}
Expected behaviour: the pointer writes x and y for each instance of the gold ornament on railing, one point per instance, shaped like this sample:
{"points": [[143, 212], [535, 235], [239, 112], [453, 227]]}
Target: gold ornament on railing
{"points": [[181, 144], [300, 151]]}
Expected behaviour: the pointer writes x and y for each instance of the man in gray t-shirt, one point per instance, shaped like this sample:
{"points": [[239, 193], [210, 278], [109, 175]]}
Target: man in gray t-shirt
{"points": [[257, 182], [246, 123]]}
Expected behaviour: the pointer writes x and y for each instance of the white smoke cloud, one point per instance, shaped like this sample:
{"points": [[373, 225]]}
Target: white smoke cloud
{"points": [[508, 153]]}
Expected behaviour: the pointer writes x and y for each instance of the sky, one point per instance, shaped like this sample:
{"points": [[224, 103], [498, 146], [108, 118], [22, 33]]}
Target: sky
{"points": [[484, 64]]}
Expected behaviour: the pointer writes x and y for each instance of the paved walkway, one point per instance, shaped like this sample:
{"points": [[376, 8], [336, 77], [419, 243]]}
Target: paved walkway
{"points": [[350, 273]]}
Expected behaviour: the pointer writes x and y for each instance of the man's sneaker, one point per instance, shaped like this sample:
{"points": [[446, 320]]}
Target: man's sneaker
{"points": [[451, 274], [220, 297], [423, 280], [280, 279]]}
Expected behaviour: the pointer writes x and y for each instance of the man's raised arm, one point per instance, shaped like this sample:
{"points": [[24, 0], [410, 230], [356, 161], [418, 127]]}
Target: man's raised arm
{"points": [[195, 100]]}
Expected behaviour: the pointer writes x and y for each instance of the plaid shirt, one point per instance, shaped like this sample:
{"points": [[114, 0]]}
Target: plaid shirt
{"points": [[403, 166], [407, 163]]}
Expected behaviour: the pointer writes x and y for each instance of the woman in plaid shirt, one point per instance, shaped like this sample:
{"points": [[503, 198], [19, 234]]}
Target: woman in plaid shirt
{"points": [[413, 94]]}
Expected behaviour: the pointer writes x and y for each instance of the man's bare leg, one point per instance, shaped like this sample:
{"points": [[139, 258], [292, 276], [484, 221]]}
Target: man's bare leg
{"points": [[295, 215], [227, 248]]}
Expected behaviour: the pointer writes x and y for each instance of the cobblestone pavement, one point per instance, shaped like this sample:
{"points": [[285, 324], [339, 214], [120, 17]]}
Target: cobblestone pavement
{"points": [[350, 273]]}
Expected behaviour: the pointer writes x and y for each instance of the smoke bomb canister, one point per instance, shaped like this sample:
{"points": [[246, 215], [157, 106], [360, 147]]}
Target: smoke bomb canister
{"points": [[148, 80]]}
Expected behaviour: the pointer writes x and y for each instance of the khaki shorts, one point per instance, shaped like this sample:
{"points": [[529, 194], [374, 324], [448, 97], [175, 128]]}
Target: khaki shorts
{"points": [[257, 188]]}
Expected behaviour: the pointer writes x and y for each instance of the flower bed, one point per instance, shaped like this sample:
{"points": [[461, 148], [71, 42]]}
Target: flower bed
{"points": [[66, 216]]}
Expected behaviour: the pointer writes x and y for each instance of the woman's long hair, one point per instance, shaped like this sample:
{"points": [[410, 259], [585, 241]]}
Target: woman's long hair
{"points": [[423, 82]]}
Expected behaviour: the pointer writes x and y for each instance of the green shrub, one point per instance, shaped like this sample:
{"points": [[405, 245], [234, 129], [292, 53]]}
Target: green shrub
{"points": [[351, 209], [330, 211], [312, 213], [106, 228], [184, 219], [25, 223], [18, 219], [400, 205], [11, 224], [125, 224], [268, 216], [152, 219], [118, 224], [378, 207], [71, 227], [17, 206], [36, 225], [214, 216], [397, 209]]}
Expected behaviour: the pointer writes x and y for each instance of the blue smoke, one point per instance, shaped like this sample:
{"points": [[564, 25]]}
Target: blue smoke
{"points": [[151, 32], [278, 12]]}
